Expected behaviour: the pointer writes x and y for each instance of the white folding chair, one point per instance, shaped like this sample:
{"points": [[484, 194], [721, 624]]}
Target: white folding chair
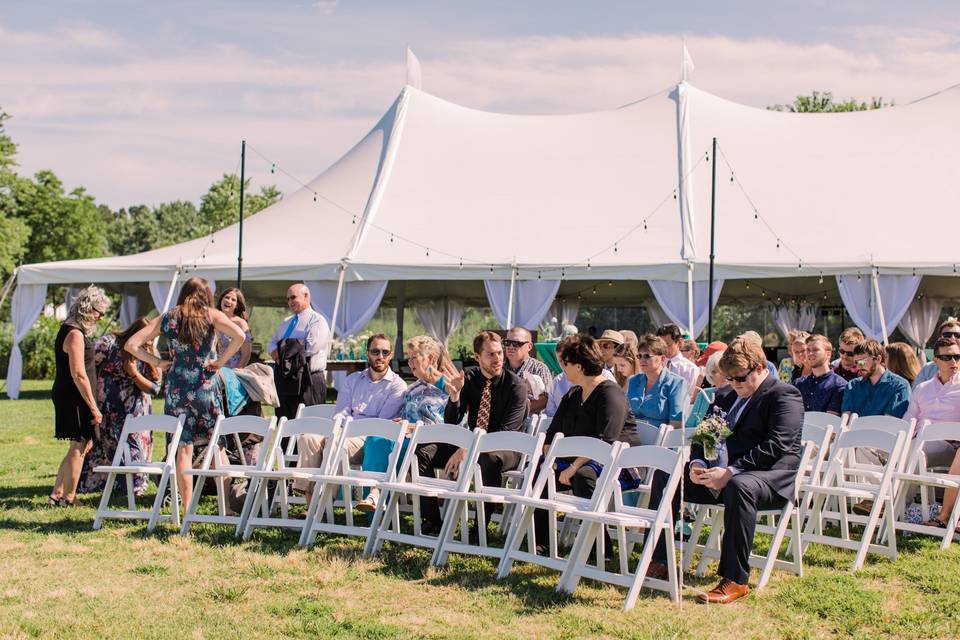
{"points": [[386, 517], [317, 411], [785, 524], [555, 502], [917, 473], [216, 466], [543, 424], [123, 465], [654, 523], [340, 477], [823, 419], [278, 470], [847, 484], [677, 437], [529, 448]]}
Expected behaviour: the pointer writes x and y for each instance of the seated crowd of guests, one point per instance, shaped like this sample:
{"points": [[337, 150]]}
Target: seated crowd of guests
{"points": [[607, 387]]}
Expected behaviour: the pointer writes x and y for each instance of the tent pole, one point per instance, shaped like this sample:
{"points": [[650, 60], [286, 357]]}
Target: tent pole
{"points": [[243, 165], [401, 306], [690, 300], [875, 281], [336, 301], [8, 286], [713, 229], [510, 301], [173, 285]]}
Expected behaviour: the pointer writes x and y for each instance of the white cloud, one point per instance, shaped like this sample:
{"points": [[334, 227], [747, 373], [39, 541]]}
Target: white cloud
{"points": [[136, 123]]}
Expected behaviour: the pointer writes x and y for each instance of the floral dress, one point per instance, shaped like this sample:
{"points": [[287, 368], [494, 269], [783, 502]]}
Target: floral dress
{"points": [[120, 398], [192, 391]]}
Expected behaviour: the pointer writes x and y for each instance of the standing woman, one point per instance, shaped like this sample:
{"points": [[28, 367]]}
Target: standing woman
{"points": [[193, 386], [234, 306], [124, 386], [78, 416]]}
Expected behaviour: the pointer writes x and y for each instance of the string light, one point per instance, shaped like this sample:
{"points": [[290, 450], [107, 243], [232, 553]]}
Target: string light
{"points": [[731, 177], [594, 291], [609, 283], [615, 244], [314, 196], [708, 156], [538, 274], [354, 218], [821, 277], [391, 242], [858, 275], [563, 274], [588, 265], [273, 167], [428, 252], [461, 264], [748, 284]]}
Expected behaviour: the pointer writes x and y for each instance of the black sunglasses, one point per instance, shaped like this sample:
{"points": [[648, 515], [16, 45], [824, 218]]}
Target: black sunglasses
{"points": [[947, 357], [516, 344], [846, 353], [950, 334], [379, 352], [644, 356], [740, 379]]}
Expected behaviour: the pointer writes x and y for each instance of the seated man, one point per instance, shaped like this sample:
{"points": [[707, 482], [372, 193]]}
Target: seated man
{"points": [[766, 418], [877, 391], [822, 390], [950, 328], [375, 392], [675, 361], [844, 366], [518, 345], [493, 399]]}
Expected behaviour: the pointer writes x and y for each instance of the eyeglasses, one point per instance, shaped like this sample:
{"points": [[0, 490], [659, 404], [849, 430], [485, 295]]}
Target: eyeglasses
{"points": [[947, 357], [950, 334], [376, 353], [515, 344], [644, 356], [846, 353], [861, 363], [740, 379]]}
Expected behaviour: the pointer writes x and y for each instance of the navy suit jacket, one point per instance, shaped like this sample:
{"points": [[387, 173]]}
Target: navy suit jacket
{"points": [[766, 438]]}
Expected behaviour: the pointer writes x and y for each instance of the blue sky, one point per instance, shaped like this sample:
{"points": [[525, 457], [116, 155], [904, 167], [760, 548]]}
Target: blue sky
{"points": [[144, 102]]}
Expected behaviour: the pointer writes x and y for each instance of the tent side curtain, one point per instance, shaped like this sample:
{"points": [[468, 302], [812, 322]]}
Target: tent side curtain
{"points": [[920, 321], [359, 302], [795, 318], [896, 294], [25, 307], [531, 301], [439, 317], [672, 297]]}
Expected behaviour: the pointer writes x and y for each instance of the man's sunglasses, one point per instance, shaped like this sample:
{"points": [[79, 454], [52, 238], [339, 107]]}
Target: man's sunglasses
{"points": [[846, 353], [863, 362], [376, 353], [947, 357], [950, 334], [740, 379], [516, 344], [644, 356]]}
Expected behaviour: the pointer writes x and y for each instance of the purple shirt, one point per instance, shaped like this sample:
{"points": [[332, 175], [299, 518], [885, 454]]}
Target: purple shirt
{"points": [[822, 393], [362, 397]]}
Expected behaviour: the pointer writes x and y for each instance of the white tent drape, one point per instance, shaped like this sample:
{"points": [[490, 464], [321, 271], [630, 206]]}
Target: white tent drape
{"points": [[531, 301], [920, 321], [896, 294], [657, 316], [358, 302], [560, 314], [672, 296], [129, 306], [25, 307], [159, 291], [439, 317], [790, 318]]}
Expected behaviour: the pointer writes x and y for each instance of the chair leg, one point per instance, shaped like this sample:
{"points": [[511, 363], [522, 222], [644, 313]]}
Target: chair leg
{"points": [[691, 545], [192, 508], [246, 527], [586, 536], [785, 517], [174, 498], [253, 487], [514, 539], [158, 500], [868, 532], [104, 501], [713, 541], [796, 544], [439, 557], [131, 496]]}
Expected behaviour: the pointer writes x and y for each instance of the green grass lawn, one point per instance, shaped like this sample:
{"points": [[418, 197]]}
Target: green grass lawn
{"points": [[58, 578]]}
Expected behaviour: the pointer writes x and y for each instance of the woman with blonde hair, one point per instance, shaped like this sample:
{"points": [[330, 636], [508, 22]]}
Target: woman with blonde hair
{"points": [[902, 360], [76, 410], [193, 386]]}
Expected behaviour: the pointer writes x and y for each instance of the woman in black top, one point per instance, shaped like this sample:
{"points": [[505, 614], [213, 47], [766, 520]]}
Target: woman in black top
{"points": [[77, 415]]}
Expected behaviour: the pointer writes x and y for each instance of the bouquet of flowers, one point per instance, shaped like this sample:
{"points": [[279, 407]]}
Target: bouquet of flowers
{"points": [[711, 434]]}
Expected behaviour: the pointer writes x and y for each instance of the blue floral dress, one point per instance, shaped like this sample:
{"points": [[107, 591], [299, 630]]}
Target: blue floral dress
{"points": [[191, 390]]}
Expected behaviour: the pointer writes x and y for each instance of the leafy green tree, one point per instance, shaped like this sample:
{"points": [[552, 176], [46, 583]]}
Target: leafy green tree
{"points": [[822, 102], [13, 232], [220, 206]]}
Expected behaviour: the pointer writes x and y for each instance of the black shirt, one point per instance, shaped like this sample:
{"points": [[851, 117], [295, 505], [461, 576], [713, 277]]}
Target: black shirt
{"points": [[603, 415], [508, 401]]}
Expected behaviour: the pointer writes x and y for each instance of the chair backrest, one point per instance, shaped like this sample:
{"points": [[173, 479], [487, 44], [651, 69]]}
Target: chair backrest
{"points": [[363, 428], [293, 429], [172, 425], [890, 424], [651, 457], [226, 427], [543, 424], [317, 411], [818, 438], [597, 450], [928, 432], [675, 438], [650, 434], [824, 419], [530, 448], [891, 443], [450, 434]]}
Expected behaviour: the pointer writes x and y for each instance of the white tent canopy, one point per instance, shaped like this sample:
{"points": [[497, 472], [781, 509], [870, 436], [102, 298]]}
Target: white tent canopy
{"points": [[437, 192]]}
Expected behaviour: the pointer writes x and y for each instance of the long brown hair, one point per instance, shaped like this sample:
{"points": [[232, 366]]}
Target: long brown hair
{"points": [[241, 308], [902, 361], [193, 311], [122, 336]]}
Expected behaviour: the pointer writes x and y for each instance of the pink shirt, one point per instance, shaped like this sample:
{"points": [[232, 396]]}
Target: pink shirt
{"points": [[934, 401]]}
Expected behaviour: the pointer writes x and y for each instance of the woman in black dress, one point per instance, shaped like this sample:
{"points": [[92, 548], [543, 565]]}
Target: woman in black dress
{"points": [[78, 416]]}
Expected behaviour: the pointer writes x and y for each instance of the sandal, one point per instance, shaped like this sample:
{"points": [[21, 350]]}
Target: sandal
{"points": [[934, 522], [53, 502]]}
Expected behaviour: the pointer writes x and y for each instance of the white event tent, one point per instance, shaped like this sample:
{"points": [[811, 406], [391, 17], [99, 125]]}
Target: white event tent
{"points": [[441, 204]]}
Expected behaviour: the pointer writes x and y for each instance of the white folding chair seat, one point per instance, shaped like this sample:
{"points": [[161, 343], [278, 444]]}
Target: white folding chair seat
{"points": [[556, 502], [386, 517], [654, 524], [278, 470], [224, 472], [847, 484], [917, 473], [529, 448], [122, 465], [341, 478]]}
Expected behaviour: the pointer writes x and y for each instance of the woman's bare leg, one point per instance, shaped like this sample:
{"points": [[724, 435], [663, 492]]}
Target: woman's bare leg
{"points": [[184, 482], [71, 470]]}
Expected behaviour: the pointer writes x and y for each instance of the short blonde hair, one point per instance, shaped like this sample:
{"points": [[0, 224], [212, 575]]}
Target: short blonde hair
{"points": [[430, 347], [796, 335], [88, 301], [742, 355], [752, 337]]}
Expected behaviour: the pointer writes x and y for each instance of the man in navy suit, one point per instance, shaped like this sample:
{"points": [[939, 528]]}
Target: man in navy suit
{"points": [[763, 454]]}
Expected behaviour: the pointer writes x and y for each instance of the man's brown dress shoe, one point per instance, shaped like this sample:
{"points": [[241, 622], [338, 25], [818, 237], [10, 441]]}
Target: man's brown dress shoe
{"points": [[657, 571], [724, 593]]}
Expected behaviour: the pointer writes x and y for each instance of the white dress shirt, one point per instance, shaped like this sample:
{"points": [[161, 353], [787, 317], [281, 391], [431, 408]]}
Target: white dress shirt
{"points": [[685, 369], [313, 331]]}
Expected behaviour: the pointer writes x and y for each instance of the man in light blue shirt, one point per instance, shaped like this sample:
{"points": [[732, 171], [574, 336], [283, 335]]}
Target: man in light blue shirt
{"points": [[877, 392]]}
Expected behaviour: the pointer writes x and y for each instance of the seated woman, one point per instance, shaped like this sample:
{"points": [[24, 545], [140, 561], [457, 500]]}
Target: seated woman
{"points": [[625, 364], [423, 401], [656, 395], [595, 407]]}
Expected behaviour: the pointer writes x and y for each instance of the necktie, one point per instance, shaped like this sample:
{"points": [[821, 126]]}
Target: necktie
{"points": [[483, 414], [736, 410]]}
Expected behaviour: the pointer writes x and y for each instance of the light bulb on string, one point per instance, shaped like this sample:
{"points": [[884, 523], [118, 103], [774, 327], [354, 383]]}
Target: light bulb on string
{"points": [[538, 274], [391, 238], [821, 277], [314, 197], [588, 265], [858, 276], [273, 167], [609, 283], [756, 214], [579, 297], [461, 264], [824, 296], [615, 247], [354, 219], [731, 177], [594, 291], [674, 194], [491, 268], [778, 243], [644, 224], [428, 252], [563, 273], [708, 156]]}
